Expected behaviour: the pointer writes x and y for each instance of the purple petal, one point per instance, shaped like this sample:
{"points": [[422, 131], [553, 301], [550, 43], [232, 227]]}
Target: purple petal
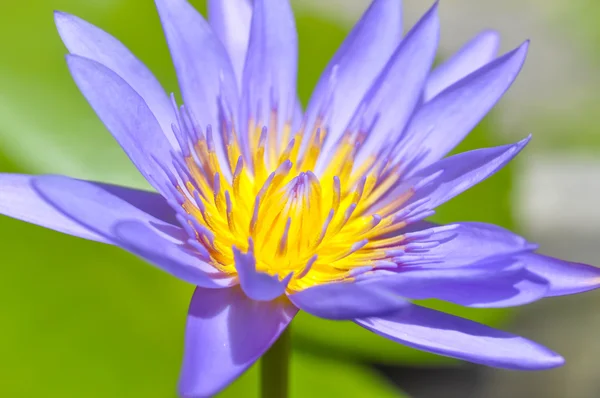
{"points": [[20, 200], [173, 258], [348, 300], [88, 41], [258, 285], [203, 67], [448, 335], [125, 114], [460, 244], [148, 202], [482, 49], [390, 102], [443, 122], [364, 53], [226, 333], [92, 206], [269, 79], [230, 20], [298, 116], [453, 175], [565, 277], [503, 283]]}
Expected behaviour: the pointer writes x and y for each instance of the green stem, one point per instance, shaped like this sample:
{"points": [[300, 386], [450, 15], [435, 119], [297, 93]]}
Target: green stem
{"points": [[274, 367]]}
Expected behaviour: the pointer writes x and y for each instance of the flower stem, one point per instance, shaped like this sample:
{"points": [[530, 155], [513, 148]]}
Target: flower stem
{"points": [[274, 367]]}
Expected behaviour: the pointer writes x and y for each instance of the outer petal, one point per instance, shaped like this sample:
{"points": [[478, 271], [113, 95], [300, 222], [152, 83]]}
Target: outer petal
{"points": [[458, 245], [92, 206], [230, 19], [227, 332], [19, 199], [460, 338], [258, 285], [462, 171], [176, 259], [364, 53], [348, 300], [508, 289], [203, 67], [503, 283], [482, 49], [270, 72], [125, 115], [449, 177], [391, 101], [565, 277], [88, 41], [443, 122]]}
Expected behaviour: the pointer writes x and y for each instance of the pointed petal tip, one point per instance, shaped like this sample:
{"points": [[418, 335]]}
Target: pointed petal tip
{"points": [[565, 277], [61, 18], [525, 141], [430, 17], [511, 62], [540, 358], [429, 23], [512, 150], [524, 47], [288, 278], [490, 37], [518, 146], [395, 3], [59, 14], [433, 10], [553, 360], [520, 53], [491, 34], [460, 338], [166, 5]]}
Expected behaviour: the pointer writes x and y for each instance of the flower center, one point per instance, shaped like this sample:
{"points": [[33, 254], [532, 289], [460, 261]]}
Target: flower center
{"points": [[322, 228]]}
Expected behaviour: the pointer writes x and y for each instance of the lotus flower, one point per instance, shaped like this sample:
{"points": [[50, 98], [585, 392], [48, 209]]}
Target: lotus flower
{"points": [[269, 209]]}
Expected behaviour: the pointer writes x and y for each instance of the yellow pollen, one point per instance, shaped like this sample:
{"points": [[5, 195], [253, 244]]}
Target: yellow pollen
{"points": [[320, 227]]}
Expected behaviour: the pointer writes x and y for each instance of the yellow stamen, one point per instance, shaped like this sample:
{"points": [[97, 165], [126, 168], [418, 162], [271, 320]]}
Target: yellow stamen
{"points": [[321, 228]]}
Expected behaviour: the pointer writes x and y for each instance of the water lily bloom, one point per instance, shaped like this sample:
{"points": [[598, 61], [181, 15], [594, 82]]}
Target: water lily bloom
{"points": [[269, 209]]}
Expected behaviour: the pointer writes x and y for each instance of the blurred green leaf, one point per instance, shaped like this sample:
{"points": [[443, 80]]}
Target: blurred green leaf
{"points": [[85, 319]]}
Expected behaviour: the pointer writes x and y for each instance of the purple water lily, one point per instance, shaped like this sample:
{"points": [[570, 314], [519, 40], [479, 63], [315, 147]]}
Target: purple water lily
{"points": [[269, 209]]}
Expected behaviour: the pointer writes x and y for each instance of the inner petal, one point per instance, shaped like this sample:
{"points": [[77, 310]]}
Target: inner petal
{"points": [[323, 228]]}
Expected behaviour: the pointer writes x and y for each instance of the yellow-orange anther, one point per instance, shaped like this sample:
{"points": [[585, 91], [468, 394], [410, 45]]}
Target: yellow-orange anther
{"points": [[321, 228]]}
